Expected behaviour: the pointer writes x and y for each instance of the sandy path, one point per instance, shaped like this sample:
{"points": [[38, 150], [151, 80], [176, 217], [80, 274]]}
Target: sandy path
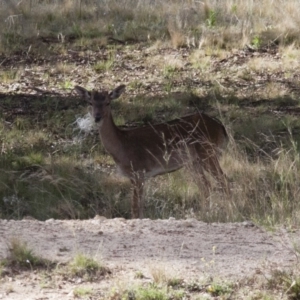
{"points": [[188, 248]]}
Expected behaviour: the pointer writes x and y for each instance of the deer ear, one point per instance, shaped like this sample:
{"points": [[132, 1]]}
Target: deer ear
{"points": [[83, 93], [114, 94]]}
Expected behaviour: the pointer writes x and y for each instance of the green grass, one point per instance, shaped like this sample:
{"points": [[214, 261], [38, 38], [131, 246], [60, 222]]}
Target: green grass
{"points": [[269, 283], [51, 169], [83, 292], [22, 257], [219, 290], [85, 267], [163, 291], [150, 293], [286, 280], [209, 24]]}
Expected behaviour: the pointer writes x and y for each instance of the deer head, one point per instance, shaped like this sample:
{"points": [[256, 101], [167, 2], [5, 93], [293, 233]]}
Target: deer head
{"points": [[100, 101]]}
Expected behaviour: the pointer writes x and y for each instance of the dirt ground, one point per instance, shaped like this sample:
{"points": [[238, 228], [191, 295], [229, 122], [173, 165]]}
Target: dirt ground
{"points": [[187, 249]]}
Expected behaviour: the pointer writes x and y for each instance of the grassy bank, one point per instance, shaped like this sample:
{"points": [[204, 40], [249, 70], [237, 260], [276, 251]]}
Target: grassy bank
{"points": [[238, 61], [227, 25]]}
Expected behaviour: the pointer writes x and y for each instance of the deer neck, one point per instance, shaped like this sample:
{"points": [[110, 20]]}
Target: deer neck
{"points": [[110, 136]]}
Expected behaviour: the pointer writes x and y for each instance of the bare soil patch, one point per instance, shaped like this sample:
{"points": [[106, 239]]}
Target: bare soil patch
{"points": [[187, 249]]}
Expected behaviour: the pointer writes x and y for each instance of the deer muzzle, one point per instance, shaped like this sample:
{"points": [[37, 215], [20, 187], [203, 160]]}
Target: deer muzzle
{"points": [[97, 119]]}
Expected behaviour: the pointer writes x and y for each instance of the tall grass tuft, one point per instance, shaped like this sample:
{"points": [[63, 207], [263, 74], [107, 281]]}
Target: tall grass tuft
{"points": [[230, 24]]}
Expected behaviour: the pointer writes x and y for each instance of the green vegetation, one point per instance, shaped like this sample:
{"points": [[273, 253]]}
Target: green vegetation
{"points": [[267, 284], [147, 292], [83, 292], [22, 257], [92, 25], [217, 289], [84, 267], [237, 61], [139, 275], [150, 293]]}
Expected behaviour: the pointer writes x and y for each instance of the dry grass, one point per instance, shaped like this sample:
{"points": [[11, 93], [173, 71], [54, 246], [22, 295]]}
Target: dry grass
{"points": [[229, 25], [46, 160], [266, 189], [263, 170], [22, 257]]}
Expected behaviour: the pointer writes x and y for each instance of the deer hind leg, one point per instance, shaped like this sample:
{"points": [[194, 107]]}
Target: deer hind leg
{"points": [[200, 178], [194, 163], [137, 204], [211, 164]]}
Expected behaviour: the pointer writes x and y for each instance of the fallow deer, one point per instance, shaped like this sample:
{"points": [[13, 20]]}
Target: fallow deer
{"points": [[152, 150]]}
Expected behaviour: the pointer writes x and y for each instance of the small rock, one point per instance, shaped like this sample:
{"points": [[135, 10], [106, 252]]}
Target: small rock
{"points": [[100, 218], [248, 224], [49, 220]]}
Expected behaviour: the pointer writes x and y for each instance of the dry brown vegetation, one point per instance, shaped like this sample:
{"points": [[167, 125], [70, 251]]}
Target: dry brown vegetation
{"points": [[167, 55], [226, 25], [237, 60]]}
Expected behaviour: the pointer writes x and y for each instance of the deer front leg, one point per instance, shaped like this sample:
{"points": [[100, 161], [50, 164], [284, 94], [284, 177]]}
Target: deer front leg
{"points": [[137, 205]]}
